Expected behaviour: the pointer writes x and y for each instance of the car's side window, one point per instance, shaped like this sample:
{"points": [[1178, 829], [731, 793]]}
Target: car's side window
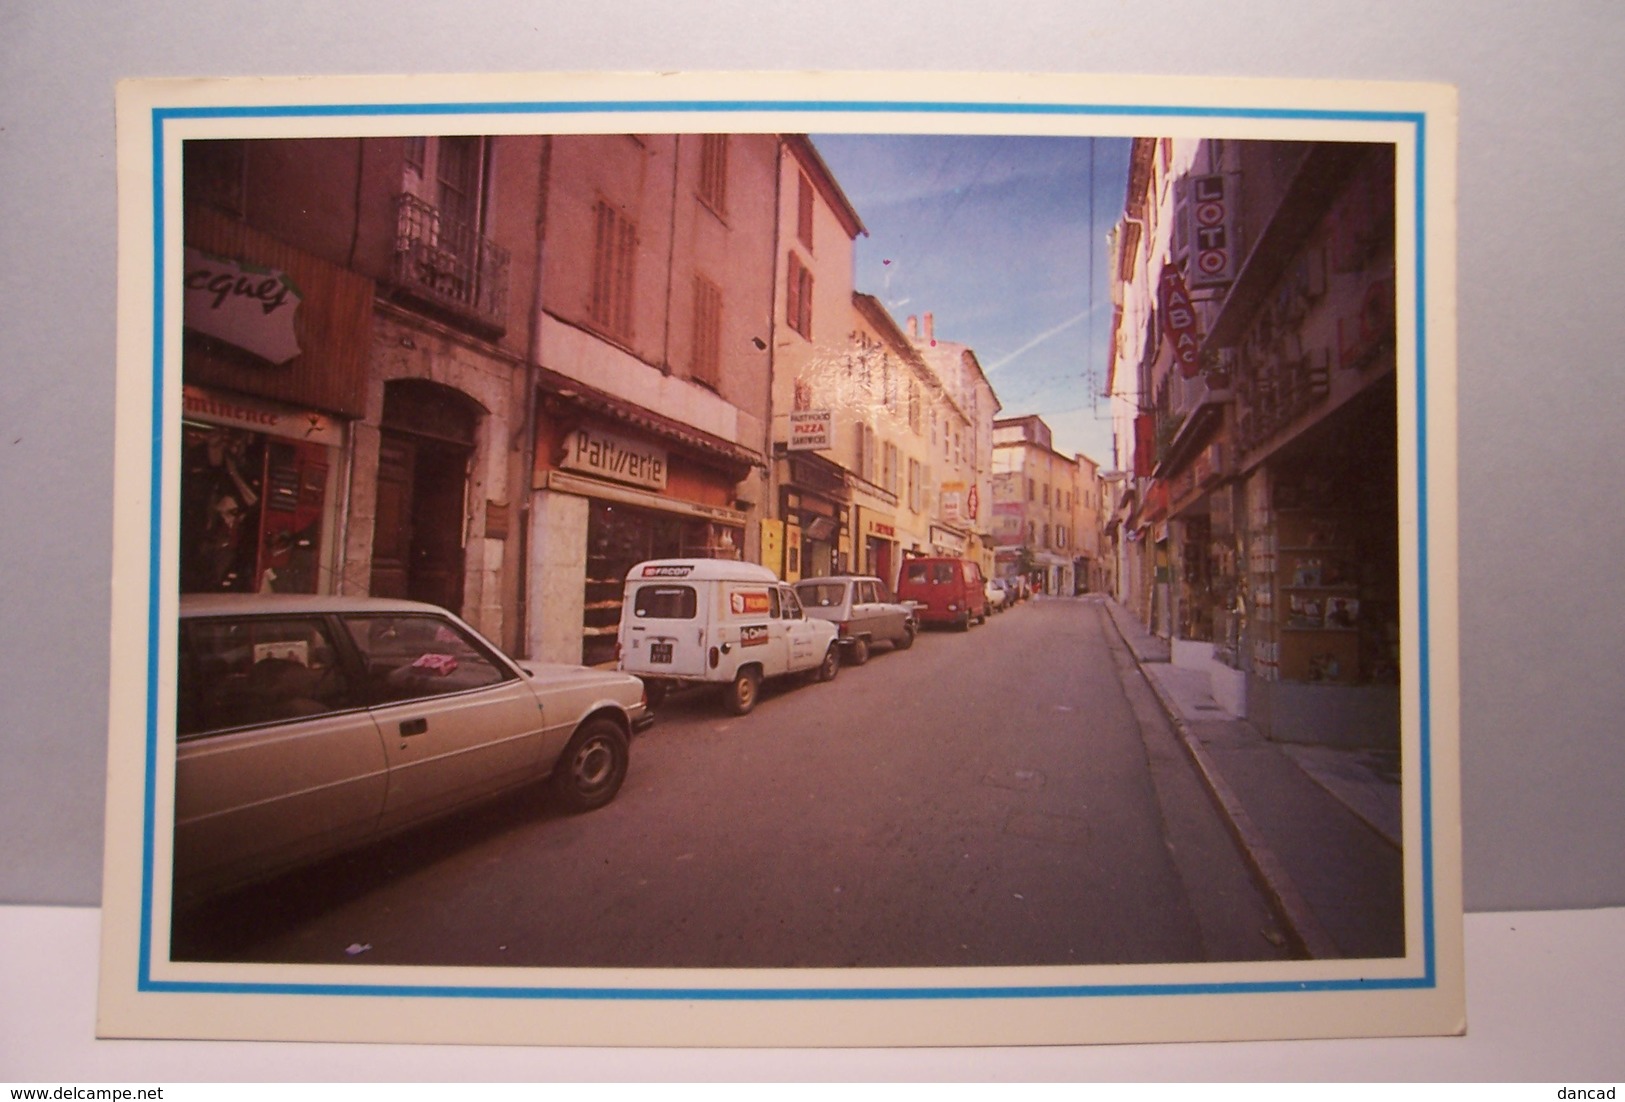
{"points": [[411, 656], [245, 671], [791, 609]]}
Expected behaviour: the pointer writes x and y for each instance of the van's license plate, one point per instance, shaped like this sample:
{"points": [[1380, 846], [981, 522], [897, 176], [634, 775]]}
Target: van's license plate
{"points": [[660, 652]]}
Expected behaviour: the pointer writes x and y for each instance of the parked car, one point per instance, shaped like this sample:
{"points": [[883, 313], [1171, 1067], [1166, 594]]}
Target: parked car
{"points": [[863, 612], [944, 591], [308, 725], [995, 595], [716, 621]]}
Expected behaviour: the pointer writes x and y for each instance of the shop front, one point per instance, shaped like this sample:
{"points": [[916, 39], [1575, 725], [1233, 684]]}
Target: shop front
{"points": [[880, 557], [1323, 636], [610, 492], [814, 503], [260, 487], [274, 374]]}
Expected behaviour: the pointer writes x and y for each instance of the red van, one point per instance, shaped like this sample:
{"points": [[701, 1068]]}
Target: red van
{"points": [[944, 591]]}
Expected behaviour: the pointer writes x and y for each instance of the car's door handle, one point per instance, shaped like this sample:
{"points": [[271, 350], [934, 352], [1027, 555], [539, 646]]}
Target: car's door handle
{"points": [[413, 727]]}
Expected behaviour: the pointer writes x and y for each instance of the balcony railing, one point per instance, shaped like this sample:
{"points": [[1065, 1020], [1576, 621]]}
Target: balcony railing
{"points": [[445, 263]]}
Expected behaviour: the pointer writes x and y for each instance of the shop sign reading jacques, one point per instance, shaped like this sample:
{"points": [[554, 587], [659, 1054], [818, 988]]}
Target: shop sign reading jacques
{"points": [[250, 307], [616, 457]]}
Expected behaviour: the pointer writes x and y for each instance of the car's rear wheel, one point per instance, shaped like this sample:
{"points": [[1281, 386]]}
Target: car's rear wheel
{"points": [[592, 767], [831, 665], [907, 640], [740, 696], [860, 651]]}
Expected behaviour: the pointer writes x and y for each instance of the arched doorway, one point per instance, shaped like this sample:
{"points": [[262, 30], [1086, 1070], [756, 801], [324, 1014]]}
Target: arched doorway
{"points": [[425, 445]]}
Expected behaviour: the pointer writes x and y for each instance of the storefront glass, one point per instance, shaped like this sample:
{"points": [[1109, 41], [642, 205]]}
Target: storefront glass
{"points": [[621, 536], [253, 511]]}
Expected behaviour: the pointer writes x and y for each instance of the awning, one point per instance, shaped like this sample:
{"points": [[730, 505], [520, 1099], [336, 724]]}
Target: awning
{"points": [[738, 460]]}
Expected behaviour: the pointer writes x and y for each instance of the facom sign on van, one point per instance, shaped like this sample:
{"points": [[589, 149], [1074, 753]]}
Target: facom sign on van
{"points": [[616, 457]]}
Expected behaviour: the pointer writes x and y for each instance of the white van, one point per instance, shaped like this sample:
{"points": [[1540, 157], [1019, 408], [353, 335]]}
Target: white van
{"points": [[694, 621]]}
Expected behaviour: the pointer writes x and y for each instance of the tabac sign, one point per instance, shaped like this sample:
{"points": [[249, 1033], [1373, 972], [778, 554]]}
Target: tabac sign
{"points": [[608, 455], [1179, 323], [250, 307]]}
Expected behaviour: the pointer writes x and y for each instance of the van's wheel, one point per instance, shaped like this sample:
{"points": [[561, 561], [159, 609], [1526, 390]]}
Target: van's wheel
{"points": [[740, 697], [831, 665], [907, 640], [592, 767], [860, 651], [964, 625]]}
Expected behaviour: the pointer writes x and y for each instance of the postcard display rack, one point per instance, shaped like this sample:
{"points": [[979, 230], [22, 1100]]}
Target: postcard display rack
{"points": [[1317, 616]]}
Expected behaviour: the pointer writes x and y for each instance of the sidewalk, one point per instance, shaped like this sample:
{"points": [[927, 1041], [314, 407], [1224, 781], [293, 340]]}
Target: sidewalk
{"points": [[1319, 826]]}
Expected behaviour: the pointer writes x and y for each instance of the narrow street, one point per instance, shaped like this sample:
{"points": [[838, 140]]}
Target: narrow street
{"points": [[1002, 797]]}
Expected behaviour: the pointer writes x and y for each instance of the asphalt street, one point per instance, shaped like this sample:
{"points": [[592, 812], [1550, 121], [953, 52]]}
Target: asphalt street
{"points": [[1007, 796]]}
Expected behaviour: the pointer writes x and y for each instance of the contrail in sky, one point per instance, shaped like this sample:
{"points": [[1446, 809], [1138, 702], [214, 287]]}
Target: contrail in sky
{"points": [[1038, 340]]}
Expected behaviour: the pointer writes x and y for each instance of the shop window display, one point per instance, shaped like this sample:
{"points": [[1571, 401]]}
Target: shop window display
{"points": [[621, 536], [252, 507]]}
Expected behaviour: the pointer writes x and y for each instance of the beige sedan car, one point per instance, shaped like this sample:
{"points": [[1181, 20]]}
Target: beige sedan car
{"points": [[308, 725]]}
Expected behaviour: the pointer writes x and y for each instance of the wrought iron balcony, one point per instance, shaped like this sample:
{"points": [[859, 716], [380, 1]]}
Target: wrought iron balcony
{"points": [[445, 264]]}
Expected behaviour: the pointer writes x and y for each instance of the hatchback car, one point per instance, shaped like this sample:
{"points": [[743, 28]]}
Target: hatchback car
{"points": [[307, 725], [863, 612]]}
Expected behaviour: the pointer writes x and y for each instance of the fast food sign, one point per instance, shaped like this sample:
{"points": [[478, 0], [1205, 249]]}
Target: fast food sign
{"points": [[810, 429]]}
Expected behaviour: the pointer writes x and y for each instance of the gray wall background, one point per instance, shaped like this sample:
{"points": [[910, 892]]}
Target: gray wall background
{"points": [[1540, 268]]}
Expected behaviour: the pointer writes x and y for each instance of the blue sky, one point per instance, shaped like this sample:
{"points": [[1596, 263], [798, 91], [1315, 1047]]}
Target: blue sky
{"points": [[992, 236]]}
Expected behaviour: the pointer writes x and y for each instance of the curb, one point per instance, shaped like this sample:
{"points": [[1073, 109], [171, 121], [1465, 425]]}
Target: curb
{"points": [[1304, 929]]}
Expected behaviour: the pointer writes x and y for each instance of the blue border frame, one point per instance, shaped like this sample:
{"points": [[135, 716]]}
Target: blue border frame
{"points": [[161, 116]]}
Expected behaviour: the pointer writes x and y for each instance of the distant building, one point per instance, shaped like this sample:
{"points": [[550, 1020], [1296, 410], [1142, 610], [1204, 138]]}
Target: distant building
{"points": [[1046, 506]]}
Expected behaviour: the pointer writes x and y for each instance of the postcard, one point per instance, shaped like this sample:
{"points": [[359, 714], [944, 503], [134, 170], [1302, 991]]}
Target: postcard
{"points": [[784, 560]]}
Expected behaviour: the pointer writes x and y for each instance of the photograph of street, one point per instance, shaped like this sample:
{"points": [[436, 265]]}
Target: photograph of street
{"points": [[782, 551]]}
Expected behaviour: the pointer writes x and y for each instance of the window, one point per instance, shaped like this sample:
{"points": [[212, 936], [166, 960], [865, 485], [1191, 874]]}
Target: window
{"points": [[614, 247], [413, 656], [823, 594], [866, 452], [1029, 489], [707, 364], [238, 673], [666, 602], [714, 172], [1046, 493], [798, 296], [458, 180], [415, 153], [804, 212], [889, 471]]}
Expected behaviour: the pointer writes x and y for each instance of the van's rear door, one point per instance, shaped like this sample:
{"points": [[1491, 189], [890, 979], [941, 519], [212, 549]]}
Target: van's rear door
{"points": [[663, 633]]}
